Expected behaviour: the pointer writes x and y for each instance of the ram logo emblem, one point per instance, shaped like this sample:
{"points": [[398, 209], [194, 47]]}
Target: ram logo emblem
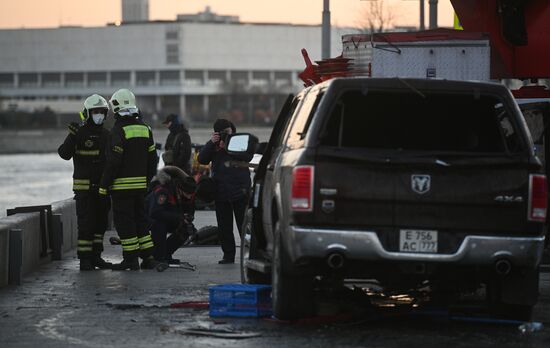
{"points": [[420, 183]]}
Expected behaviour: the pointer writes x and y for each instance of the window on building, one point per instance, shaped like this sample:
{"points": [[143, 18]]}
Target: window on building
{"points": [[260, 75], [239, 76], [172, 54], [283, 77], [145, 78], [260, 78], [51, 79], [74, 79], [28, 80], [217, 75], [194, 108], [170, 78], [96, 79], [120, 79], [7, 80], [172, 34], [194, 77]]}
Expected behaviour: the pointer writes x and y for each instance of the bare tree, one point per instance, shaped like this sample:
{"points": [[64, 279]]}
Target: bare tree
{"points": [[376, 16]]}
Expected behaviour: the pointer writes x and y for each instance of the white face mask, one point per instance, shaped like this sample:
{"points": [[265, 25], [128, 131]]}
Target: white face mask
{"points": [[98, 118]]}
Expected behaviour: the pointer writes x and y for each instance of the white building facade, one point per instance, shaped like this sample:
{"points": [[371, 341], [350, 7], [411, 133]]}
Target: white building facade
{"points": [[201, 70]]}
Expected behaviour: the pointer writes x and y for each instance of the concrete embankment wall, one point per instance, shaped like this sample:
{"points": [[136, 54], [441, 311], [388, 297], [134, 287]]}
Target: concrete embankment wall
{"points": [[32, 238], [48, 140]]}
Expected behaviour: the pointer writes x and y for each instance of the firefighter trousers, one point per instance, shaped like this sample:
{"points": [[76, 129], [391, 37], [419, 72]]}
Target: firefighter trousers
{"points": [[131, 225], [91, 211]]}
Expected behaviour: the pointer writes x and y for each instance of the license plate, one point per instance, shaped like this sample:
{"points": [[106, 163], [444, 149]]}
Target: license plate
{"points": [[418, 241]]}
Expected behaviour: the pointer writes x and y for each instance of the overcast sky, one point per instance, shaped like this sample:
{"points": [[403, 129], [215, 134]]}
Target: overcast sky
{"points": [[53, 13]]}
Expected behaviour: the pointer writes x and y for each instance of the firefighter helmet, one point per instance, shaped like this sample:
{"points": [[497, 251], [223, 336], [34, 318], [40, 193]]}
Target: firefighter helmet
{"points": [[123, 99], [94, 102]]}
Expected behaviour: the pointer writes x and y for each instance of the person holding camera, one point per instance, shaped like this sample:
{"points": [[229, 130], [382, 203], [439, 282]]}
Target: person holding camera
{"points": [[232, 186]]}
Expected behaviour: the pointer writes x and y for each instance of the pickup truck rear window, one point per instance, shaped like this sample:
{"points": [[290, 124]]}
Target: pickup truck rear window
{"points": [[406, 120]]}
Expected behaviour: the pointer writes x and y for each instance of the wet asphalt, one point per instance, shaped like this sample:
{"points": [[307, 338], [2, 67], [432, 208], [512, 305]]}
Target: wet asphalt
{"points": [[58, 306]]}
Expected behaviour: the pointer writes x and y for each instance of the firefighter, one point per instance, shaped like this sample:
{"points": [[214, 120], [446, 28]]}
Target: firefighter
{"points": [[170, 205], [85, 144], [131, 163]]}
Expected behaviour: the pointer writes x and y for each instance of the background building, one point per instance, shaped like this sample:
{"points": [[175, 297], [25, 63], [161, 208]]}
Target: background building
{"points": [[135, 11], [203, 66]]}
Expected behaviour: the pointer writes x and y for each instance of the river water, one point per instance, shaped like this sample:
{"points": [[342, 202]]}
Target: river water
{"points": [[33, 179], [40, 179]]}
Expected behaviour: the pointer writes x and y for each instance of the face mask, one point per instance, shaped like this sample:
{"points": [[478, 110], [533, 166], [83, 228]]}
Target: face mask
{"points": [[98, 118]]}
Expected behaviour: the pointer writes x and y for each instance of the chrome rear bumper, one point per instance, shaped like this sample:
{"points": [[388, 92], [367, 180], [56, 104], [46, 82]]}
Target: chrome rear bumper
{"points": [[365, 245]]}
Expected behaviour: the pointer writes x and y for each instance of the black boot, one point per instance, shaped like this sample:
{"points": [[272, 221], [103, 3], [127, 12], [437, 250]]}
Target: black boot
{"points": [[131, 264], [151, 263], [98, 262], [172, 261], [86, 265]]}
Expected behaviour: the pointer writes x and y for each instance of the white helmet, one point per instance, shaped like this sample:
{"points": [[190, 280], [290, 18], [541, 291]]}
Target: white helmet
{"points": [[123, 99], [94, 102]]}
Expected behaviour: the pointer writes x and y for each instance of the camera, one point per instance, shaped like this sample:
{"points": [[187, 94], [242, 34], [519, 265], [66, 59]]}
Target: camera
{"points": [[223, 137]]}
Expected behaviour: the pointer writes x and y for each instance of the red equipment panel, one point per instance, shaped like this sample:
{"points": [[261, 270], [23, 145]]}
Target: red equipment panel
{"points": [[520, 60]]}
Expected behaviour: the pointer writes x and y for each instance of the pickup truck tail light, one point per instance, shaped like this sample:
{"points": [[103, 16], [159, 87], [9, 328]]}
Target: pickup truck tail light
{"points": [[302, 188], [538, 198]]}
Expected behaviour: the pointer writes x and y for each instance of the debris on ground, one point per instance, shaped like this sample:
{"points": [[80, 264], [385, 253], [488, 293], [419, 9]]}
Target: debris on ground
{"points": [[221, 333], [132, 305], [184, 265], [216, 332], [530, 327], [191, 304]]}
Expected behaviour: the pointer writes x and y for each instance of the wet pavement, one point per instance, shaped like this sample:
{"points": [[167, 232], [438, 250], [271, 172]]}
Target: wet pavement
{"points": [[60, 306]]}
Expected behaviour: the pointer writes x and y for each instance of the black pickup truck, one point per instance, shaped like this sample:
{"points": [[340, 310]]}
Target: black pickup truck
{"points": [[406, 181]]}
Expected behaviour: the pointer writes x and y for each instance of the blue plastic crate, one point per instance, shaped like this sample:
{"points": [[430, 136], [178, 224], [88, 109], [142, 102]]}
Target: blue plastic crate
{"points": [[240, 300]]}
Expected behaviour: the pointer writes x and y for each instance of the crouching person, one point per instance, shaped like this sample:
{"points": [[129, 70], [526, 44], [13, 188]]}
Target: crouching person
{"points": [[171, 208]]}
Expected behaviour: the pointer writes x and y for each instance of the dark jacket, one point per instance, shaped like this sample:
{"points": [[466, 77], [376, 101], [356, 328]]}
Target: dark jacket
{"points": [[131, 157], [87, 149], [162, 203], [232, 183], [179, 142]]}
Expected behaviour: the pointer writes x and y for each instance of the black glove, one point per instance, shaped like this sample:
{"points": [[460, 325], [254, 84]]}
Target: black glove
{"points": [[73, 128], [188, 218], [192, 234]]}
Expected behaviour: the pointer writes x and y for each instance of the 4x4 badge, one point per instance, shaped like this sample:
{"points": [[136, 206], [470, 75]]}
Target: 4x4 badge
{"points": [[420, 183]]}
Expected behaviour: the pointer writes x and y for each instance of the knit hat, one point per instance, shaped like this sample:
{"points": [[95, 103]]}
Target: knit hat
{"points": [[222, 123], [188, 185]]}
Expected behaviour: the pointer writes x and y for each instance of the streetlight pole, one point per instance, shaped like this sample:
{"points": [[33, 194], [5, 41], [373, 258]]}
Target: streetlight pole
{"points": [[422, 27], [433, 14], [326, 30]]}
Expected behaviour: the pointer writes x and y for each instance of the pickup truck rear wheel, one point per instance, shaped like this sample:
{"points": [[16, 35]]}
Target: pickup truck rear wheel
{"points": [[291, 294], [248, 248], [514, 296]]}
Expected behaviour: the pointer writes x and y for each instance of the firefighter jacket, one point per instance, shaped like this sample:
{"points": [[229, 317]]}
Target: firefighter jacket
{"points": [[163, 204], [131, 157], [86, 146]]}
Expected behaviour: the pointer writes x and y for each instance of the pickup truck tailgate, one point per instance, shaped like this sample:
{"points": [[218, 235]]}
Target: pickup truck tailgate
{"points": [[455, 201]]}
